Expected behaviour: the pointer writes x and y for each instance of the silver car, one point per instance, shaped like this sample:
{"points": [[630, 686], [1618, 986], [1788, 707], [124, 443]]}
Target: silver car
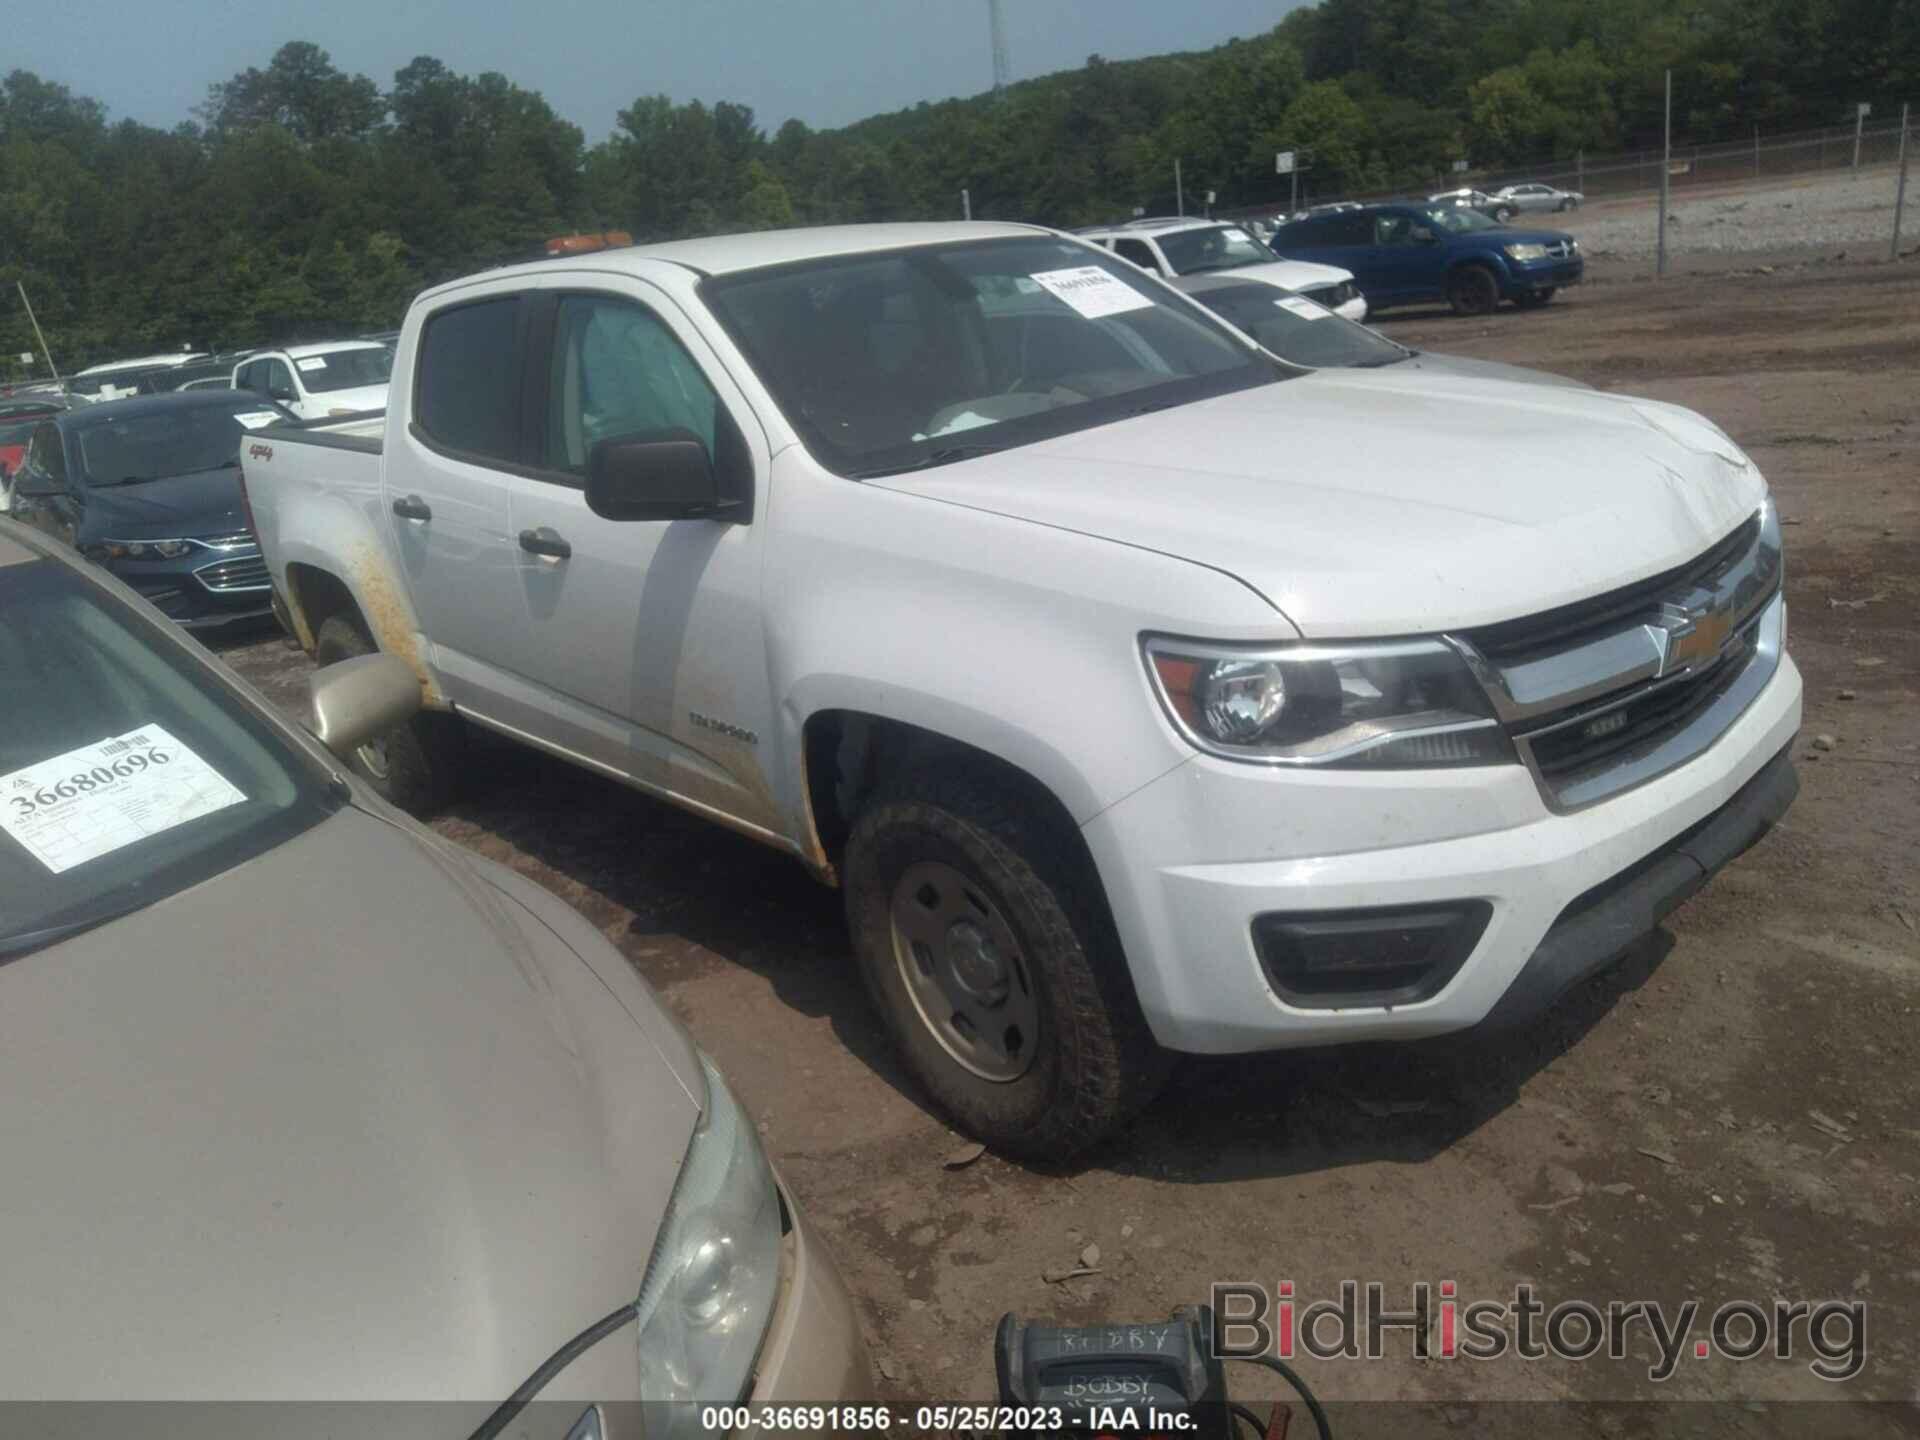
{"points": [[299, 1101], [1530, 197]]}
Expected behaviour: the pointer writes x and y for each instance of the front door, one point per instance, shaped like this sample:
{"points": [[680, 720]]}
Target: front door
{"points": [[1410, 267], [645, 637]]}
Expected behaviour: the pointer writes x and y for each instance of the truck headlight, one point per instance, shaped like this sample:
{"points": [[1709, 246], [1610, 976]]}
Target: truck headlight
{"points": [[1400, 703], [1526, 252], [707, 1298]]}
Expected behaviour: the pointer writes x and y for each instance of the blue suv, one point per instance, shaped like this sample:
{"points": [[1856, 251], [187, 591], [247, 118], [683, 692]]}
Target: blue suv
{"points": [[1405, 254]]}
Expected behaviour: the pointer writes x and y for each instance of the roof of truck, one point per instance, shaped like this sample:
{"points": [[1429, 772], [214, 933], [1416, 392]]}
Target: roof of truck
{"points": [[729, 254], [318, 347]]}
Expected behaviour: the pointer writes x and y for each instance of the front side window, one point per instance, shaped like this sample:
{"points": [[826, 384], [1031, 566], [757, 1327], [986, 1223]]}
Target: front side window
{"points": [[467, 385], [1219, 247], [345, 369], [617, 370], [127, 772], [1137, 252], [888, 362], [1458, 220]]}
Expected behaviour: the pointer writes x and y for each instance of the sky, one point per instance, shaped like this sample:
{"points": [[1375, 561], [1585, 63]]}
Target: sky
{"points": [[826, 61]]}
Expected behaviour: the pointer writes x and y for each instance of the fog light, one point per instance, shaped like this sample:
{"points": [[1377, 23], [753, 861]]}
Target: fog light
{"points": [[1344, 959]]}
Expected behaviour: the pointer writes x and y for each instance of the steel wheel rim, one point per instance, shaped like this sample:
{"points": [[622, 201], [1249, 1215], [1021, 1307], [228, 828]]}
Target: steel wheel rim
{"points": [[965, 972]]}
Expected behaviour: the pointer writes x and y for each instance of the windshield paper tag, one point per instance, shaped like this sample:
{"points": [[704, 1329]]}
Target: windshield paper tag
{"points": [[1304, 308], [312, 362], [254, 419], [107, 795], [1092, 291]]}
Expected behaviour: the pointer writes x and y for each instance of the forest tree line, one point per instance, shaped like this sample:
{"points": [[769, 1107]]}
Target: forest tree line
{"points": [[304, 201]]}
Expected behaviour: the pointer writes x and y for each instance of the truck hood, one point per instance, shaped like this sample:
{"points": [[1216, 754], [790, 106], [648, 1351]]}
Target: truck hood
{"points": [[364, 397], [344, 1123], [1379, 503], [1289, 274]]}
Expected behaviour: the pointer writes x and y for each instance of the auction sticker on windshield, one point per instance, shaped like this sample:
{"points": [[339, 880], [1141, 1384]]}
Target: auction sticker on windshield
{"points": [[311, 363], [107, 795], [254, 419], [1092, 291]]}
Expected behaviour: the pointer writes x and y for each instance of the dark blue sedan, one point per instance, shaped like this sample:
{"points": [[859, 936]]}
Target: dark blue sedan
{"points": [[149, 488], [1413, 253]]}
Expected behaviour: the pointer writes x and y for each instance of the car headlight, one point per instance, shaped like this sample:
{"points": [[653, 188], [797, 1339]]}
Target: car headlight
{"points": [[145, 549], [1399, 704], [1527, 251], [707, 1298]]}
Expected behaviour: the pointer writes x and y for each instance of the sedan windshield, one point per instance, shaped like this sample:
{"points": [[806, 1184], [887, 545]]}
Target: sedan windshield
{"points": [[345, 369], [128, 771], [890, 362], [157, 444], [1220, 247], [1298, 330]]}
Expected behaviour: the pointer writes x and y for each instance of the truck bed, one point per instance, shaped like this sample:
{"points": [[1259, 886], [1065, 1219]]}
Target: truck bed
{"points": [[364, 433]]}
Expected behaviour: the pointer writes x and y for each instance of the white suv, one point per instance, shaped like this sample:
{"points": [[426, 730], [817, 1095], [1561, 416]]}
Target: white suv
{"points": [[1186, 247]]}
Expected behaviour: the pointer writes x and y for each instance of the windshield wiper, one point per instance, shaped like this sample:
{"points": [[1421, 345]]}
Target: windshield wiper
{"points": [[13, 946], [123, 480], [945, 455]]}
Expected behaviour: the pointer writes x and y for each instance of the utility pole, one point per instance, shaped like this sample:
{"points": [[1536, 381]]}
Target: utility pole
{"points": [[1900, 191], [1666, 180], [1859, 123], [966, 205], [1756, 152], [1580, 171], [1179, 195], [21, 287]]}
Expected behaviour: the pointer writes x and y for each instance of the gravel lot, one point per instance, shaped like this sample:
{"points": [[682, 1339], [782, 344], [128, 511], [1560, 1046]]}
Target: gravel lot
{"points": [[1817, 214], [1733, 1111]]}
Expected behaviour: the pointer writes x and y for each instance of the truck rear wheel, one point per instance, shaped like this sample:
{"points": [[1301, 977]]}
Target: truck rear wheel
{"points": [[416, 765], [982, 937]]}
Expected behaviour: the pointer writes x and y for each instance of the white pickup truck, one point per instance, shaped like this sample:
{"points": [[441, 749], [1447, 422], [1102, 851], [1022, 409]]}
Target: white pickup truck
{"points": [[1144, 695]]}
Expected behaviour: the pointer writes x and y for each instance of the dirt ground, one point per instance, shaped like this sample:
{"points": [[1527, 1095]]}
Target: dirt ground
{"points": [[1733, 1112]]}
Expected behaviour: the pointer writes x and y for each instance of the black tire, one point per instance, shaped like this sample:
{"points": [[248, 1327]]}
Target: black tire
{"points": [[1473, 290], [1534, 299], [423, 759], [1094, 1063]]}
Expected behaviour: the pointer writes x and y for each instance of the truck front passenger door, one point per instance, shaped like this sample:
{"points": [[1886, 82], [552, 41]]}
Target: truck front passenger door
{"points": [[645, 637]]}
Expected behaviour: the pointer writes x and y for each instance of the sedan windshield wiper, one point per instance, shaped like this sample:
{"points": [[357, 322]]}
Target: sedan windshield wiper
{"points": [[945, 455]]}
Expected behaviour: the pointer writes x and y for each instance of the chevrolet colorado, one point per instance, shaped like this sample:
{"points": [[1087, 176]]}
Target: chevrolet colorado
{"points": [[1142, 693]]}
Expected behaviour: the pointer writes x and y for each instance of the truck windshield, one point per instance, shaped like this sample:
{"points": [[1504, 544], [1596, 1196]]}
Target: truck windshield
{"points": [[127, 772], [883, 362]]}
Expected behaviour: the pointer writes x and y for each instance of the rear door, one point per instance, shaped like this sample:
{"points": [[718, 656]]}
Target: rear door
{"points": [[644, 637], [451, 440]]}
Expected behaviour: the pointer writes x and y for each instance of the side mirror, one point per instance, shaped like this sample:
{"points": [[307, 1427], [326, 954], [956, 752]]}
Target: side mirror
{"points": [[354, 701], [653, 475], [279, 392], [32, 482]]}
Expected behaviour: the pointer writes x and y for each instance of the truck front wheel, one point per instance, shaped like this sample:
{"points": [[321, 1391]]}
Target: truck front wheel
{"points": [[416, 765], [979, 929]]}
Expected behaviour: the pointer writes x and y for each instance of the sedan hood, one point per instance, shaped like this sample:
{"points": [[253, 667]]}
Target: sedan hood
{"points": [[1368, 502], [1519, 235], [204, 503], [346, 1122]]}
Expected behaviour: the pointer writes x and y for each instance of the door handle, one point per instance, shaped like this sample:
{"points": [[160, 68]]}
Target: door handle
{"points": [[412, 507], [545, 542]]}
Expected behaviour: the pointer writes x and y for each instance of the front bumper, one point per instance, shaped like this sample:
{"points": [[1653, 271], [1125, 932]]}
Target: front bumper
{"points": [[203, 588], [813, 1352], [1546, 274], [1191, 859]]}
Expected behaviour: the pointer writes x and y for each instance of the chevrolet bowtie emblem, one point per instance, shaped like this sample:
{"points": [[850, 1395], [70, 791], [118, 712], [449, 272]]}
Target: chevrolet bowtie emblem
{"points": [[1693, 629]]}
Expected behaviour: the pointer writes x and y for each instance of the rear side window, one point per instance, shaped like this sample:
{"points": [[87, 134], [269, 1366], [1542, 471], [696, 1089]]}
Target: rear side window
{"points": [[1139, 252], [467, 392]]}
